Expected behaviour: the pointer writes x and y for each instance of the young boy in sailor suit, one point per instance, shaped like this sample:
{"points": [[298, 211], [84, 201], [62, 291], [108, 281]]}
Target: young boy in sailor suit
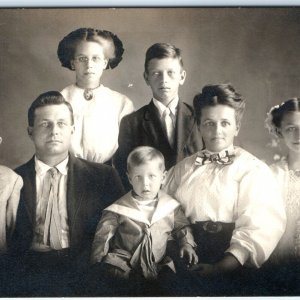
{"points": [[131, 237]]}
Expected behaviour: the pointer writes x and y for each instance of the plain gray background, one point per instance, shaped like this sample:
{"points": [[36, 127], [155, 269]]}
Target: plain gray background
{"points": [[256, 49]]}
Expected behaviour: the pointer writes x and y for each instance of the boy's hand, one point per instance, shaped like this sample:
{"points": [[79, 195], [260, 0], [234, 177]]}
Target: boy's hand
{"points": [[189, 253]]}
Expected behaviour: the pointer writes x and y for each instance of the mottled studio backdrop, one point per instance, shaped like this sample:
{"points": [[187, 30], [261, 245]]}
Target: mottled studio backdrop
{"points": [[256, 49]]}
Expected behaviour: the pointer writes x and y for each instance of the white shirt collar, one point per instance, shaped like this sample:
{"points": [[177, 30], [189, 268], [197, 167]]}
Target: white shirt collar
{"points": [[41, 168], [172, 105]]}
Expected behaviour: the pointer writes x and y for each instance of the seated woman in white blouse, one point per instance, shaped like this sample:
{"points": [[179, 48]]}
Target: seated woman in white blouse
{"points": [[229, 196]]}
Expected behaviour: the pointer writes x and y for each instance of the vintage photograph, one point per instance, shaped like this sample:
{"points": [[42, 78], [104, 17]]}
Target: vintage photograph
{"points": [[149, 152]]}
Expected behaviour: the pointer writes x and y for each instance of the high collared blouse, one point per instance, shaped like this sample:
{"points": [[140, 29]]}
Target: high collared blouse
{"points": [[289, 182], [96, 121], [244, 192]]}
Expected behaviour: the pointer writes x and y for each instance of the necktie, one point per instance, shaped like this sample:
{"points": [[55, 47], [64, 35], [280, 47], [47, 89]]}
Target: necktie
{"points": [[52, 228], [222, 158], [169, 125]]}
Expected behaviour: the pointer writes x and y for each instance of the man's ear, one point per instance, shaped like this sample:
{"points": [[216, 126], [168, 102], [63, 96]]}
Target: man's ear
{"points": [[72, 64], [29, 131], [182, 77], [146, 78]]}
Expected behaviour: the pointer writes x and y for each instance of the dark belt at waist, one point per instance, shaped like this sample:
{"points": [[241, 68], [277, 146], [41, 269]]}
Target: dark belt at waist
{"points": [[212, 239], [214, 227]]}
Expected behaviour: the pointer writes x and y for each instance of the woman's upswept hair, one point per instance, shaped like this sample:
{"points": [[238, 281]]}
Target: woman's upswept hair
{"points": [[215, 94]]}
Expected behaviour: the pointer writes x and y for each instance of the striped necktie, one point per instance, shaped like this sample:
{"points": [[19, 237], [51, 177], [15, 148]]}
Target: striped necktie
{"points": [[52, 228]]}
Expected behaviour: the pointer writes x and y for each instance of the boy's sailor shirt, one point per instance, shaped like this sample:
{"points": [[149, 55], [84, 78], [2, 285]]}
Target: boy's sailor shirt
{"points": [[122, 230]]}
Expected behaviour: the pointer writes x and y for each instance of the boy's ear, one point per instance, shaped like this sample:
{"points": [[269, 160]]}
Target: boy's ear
{"points": [[183, 76], [29, 131], [146, 77], [164, 177], [128, 176]]}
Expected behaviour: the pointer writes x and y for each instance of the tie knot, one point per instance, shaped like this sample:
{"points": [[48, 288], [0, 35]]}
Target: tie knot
{"points": [[167, 111], [53, 172]]}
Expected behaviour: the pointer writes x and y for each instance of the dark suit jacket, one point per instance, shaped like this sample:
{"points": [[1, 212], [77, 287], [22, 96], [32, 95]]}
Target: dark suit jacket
{"points": [[144, 128], [90, 188]]}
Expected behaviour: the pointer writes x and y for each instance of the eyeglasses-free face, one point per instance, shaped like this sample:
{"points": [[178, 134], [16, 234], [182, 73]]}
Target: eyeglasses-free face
{"points": [[164, 76], [51, 132], [89, 62], [218, 127], [290, 130]]}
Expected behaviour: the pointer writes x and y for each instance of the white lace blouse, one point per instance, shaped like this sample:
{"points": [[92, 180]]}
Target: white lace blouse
{"points": [[96, 121], [244, 193], [289, 182]]}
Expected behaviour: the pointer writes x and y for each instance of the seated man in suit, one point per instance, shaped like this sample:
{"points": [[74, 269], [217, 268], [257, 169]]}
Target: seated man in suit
{"points": [[166, 123], [60, 205]]}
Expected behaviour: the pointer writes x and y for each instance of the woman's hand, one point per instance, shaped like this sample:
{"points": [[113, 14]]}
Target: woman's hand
{"points": [[204, 269], [188, 252], [228, 264]]}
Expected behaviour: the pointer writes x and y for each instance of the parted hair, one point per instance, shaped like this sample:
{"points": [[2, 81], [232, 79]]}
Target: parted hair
{"points": [[45, 99], [143, 154], [215, 94], [162, 50], [113, 46]]}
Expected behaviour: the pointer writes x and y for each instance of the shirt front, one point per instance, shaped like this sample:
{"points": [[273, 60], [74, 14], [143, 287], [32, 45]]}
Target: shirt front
{"points": [[172, 106], [42, 178]]}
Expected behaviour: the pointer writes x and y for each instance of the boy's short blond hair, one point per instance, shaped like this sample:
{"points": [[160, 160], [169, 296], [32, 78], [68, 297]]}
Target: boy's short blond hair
{"points": [[160, 51], [143, 154]]}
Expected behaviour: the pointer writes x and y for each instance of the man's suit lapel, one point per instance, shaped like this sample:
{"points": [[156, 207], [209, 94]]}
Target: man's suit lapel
{"points": [[75, 190], [29, 190], [184, 126], [153, 127]]}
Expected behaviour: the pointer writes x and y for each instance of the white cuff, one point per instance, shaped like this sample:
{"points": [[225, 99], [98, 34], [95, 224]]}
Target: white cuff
{"points": [[240, 253]]}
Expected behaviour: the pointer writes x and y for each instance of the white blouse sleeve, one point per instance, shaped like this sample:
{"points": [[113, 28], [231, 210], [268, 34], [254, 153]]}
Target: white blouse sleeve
{"points": [[260, 220], [127, 108], [171, 184]]}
